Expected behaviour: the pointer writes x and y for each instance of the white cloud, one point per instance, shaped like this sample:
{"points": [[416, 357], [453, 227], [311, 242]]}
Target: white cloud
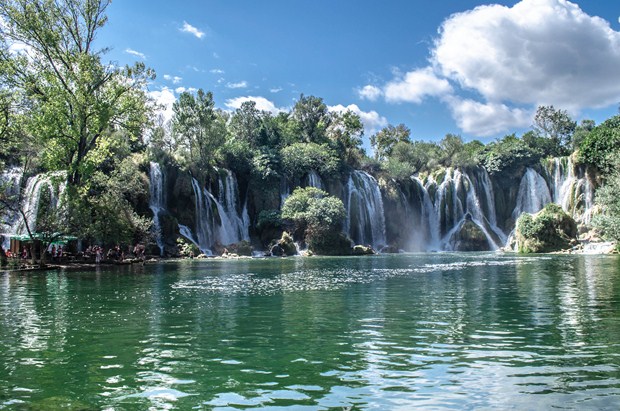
{"points": [[537, 52], [164, 98], [369, 92], [372, 121], [174, 79], [217, 71], [415, 85], [241, 84], [188, 28], [261, 103], [275, 90], [135, 53], [511, 59], [487, 119], [180, 90]]}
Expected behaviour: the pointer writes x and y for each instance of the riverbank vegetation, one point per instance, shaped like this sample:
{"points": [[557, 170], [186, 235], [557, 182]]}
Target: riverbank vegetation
{"points": [[65, 109]]}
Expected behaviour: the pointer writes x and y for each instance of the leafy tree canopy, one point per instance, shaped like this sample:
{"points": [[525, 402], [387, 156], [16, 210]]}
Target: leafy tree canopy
{"points": [[384, 140], [300, 158], [74, 99], [601, 145], [312, 207]]}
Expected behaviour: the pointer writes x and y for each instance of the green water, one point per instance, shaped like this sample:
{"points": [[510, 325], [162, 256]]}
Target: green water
{"points": [[427, 331]]}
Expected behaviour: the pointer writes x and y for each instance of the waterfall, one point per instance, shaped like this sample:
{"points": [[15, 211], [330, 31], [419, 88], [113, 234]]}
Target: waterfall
{"points": [[218, 221], [429, 214], [285, 191], [457, 200], [572, 188], [235, 225], [314, 180], [533, 194], [365, 222], [204, 219], [565, 184], [32, 198], [10, 183], [157, 201]]}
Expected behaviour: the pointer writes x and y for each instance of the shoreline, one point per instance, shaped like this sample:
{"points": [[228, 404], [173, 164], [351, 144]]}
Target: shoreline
{"points": [[598, 248]]}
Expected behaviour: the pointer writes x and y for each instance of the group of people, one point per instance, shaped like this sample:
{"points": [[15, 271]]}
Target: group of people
{"points": [[115, 253], [96, 251], [56, 253]]}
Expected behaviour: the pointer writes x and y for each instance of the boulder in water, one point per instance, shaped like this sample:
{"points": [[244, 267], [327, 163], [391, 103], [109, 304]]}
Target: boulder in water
{"points": [[328, 242], [363, 250], [469, 237], [284, 246]]}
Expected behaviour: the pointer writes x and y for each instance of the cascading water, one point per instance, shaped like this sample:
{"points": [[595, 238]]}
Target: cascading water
{"points": [[157, 201], [235, 225], [533, 194], [563, 183], [55, 183], [457, 200], [571, 187], [365, 222], [285, 191], [10, 183], [218, 221], [314, 180]]}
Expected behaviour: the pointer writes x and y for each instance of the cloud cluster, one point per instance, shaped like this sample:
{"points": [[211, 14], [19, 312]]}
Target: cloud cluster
{"points": [[240, 84], [164, 99], [261, 104], [512, 59], [173, 79], [188, 28], [135, 53]]}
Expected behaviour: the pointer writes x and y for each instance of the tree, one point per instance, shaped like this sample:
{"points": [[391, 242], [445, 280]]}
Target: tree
{"points": [[408, 158], [246, 122], [103, 209], [345, 133], [300, 158], [161, 142], [310, 206], [601, 145], [311, 119], [384, 141], [457, 153], [75, 99], [581, 132], [198, 128], [555, 125], [608, 202], [508, 154], [319, 217]]}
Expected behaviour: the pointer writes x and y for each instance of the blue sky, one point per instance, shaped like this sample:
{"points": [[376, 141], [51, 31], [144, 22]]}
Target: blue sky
{"points": [[467, 67]]}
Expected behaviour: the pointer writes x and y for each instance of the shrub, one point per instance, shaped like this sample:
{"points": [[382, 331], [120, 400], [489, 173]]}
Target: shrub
{"points": [[549, 230]]}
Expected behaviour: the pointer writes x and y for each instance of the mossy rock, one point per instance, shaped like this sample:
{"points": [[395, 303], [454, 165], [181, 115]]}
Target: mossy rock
{"points": [[551, 229], [284, 246], [328, 242], [243, 248], [470, 237]]}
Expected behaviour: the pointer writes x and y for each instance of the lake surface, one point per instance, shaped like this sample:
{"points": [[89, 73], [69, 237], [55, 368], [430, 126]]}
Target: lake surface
{"points": [[425, 331]]}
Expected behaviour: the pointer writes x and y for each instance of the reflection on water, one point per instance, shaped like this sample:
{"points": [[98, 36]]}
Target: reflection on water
{"points": [[431, 331]]}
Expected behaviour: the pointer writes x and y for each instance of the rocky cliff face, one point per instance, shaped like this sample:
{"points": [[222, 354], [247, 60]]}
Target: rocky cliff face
{"points": [[449, 209]]}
